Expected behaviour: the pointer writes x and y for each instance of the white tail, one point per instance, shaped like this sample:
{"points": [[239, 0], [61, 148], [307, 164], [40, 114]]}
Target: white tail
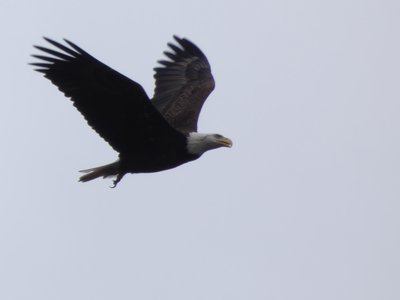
{"points": [[102, 171]]}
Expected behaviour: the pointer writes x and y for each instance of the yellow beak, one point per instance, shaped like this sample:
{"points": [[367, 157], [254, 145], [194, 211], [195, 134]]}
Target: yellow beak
{"points": [[226, 142]]}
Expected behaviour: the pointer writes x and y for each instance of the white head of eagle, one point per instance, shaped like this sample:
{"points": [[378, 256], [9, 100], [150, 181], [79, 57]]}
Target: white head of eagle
{"points": [[150, 135], [198, 143]]}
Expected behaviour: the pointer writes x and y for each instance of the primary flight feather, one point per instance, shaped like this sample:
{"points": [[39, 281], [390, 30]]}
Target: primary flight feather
{"points": [[150, 135]]}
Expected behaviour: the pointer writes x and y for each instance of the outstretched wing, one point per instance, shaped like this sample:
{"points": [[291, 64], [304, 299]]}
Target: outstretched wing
{"points": [[182, 85], [116, 107]]}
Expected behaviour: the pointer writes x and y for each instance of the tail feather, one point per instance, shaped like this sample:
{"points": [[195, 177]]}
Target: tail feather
{"points": [[105, 171]]}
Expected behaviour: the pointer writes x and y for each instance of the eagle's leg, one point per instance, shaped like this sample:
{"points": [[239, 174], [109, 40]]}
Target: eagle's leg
{"points": [[118, 179]]}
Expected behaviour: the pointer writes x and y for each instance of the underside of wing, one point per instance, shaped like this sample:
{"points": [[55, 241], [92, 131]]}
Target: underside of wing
{"points": [[183, 83], [114, 106]]}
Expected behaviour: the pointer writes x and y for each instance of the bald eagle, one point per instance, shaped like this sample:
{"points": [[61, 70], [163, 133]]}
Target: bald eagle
{"points": [[149, 135]]}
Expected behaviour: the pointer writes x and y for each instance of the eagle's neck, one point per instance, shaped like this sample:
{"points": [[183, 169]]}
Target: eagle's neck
{"points": [[198, 143]]}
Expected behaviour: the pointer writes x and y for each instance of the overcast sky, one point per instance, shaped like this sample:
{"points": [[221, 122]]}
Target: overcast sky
{"points": [[306, 205]]}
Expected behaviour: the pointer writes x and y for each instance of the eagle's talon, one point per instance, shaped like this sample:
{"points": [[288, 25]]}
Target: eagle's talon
{"points": [[118, 179]]}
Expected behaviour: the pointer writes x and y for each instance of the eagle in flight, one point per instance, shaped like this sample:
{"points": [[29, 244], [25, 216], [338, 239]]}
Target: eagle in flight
{"points": [[150, 135]]}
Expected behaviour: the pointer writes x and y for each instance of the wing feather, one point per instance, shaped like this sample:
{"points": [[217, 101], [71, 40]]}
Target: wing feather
{"points": [[182, 85], [116, 107]]}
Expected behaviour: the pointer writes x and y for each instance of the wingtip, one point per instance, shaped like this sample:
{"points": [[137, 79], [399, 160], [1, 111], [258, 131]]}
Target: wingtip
{"points": [[40, 71], [76, 47], [176, 38], [37, 47], [67, 40]]}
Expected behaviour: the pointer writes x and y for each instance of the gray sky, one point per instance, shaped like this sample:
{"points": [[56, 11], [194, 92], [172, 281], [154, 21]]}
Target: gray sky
{"points": [[304, 206]]}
